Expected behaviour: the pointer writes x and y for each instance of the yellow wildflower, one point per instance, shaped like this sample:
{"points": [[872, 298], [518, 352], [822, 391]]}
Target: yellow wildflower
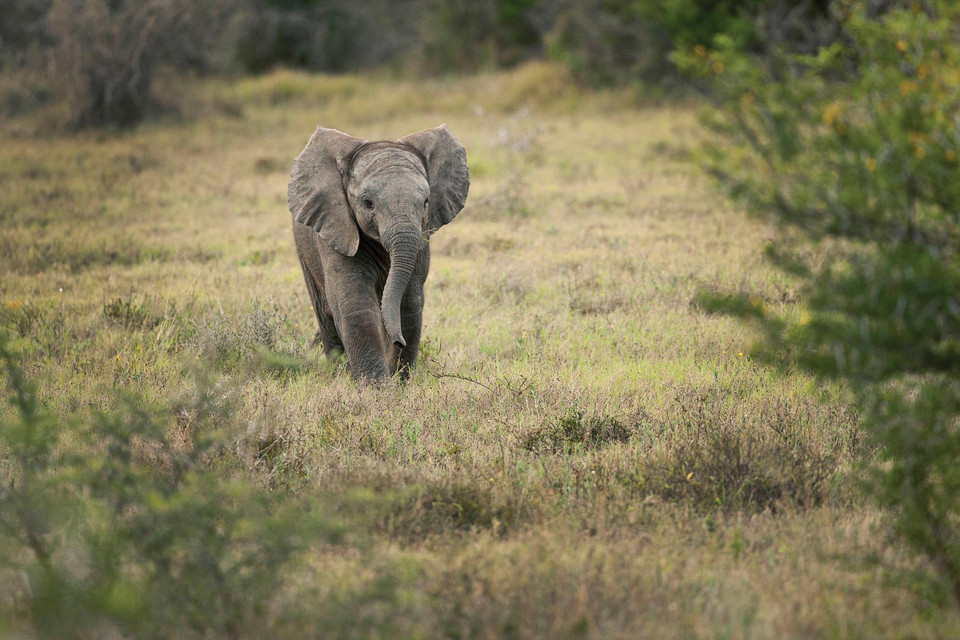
{"points": [[718, 67], [700, 50], [901, 46], [871, 164], [920, 151], [923, 70]]}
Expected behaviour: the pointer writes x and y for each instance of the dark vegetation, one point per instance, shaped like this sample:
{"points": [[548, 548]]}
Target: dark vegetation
{"points": [[100, 58]]}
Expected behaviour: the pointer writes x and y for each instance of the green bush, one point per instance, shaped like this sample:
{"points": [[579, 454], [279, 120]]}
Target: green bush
{"points": [[607, 43], [853, 153], [134, 523], [691, 22], [622, 41]]}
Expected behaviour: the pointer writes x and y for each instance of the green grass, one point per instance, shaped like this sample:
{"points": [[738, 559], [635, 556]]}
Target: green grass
{"points": [[583, 451]]}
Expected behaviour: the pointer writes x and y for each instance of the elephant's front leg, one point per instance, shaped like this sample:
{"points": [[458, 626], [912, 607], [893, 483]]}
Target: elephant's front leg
{"points": [[361, 330]]}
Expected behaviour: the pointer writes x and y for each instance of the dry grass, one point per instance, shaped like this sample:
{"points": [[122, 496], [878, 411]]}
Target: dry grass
{"points": [[582, 452]]}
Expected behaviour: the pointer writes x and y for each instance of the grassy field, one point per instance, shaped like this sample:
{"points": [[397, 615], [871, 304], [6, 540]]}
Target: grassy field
{"points": [[582, 452]]}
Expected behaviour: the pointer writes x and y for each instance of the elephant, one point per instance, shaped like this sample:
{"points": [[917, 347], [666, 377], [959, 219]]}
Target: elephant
{"points": [[363, 213]]}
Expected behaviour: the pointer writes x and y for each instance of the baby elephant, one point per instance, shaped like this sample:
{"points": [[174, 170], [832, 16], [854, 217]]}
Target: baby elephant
{"points": [[362, 215]]}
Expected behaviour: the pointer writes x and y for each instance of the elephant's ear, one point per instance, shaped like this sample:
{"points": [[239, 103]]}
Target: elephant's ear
{"points": [[447, 173], [315, 193]]}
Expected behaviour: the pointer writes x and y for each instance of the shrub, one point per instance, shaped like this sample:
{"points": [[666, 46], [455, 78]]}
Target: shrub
{"points": [[108, 51], [21, 28], [467, 35], [607, 43], [853, 153], [322, 35], [131, 523], [622, 41], [438, 507], [573, 432]]}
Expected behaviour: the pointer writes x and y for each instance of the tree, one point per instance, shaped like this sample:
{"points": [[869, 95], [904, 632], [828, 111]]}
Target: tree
{"points": [[853, 152]]}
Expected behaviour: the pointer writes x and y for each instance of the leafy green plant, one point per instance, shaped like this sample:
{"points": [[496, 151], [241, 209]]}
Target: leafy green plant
{"points": [[132, 522], [853, 153]]}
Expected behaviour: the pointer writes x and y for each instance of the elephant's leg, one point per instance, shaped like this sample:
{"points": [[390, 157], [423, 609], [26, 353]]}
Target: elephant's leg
{"points": [[361, 330], [312, 267], [327, 334], [362, 343]]}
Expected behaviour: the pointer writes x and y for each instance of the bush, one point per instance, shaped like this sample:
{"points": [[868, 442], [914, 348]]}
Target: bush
{"points": [[574, 432], [322, 35], [622, 41], [22, 28], [131, 523], [466, 36], [606, 43], [858, 169], [108, 51]]}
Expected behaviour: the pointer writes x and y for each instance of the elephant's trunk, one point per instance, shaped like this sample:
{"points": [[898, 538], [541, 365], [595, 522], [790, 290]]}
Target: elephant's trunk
{"points": [[403, 245]]}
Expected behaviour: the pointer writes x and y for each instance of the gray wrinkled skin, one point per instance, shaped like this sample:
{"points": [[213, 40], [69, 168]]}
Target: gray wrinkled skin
{"points": [[362, 216]]}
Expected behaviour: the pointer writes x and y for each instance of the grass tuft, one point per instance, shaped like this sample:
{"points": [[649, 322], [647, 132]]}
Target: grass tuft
{"points": [[574, 431], [440, 507]]}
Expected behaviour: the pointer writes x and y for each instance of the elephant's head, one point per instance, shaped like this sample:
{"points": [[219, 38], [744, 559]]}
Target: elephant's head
{"points": [[396, 193]]}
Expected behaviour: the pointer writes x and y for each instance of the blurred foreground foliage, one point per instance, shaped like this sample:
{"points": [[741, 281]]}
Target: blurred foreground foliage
{"points": [[132, 523], [853, 153]]}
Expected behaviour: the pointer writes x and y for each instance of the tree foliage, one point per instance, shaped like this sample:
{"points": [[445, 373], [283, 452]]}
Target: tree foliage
{"points": [[853, 152]]}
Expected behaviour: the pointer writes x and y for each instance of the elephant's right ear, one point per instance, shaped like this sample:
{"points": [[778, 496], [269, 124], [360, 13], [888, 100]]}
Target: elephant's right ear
{"points": [[315, 193]]}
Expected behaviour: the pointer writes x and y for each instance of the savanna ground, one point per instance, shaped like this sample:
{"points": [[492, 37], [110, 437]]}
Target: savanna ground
{"points": [[582, 452]]}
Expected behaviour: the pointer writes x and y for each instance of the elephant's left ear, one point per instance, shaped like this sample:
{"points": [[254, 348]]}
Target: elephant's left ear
{"points": [[447, 173]]}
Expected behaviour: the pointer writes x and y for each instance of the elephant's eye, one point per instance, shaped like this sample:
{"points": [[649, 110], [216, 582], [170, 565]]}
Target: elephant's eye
{"points": [[426, 202], [368, 203]]}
